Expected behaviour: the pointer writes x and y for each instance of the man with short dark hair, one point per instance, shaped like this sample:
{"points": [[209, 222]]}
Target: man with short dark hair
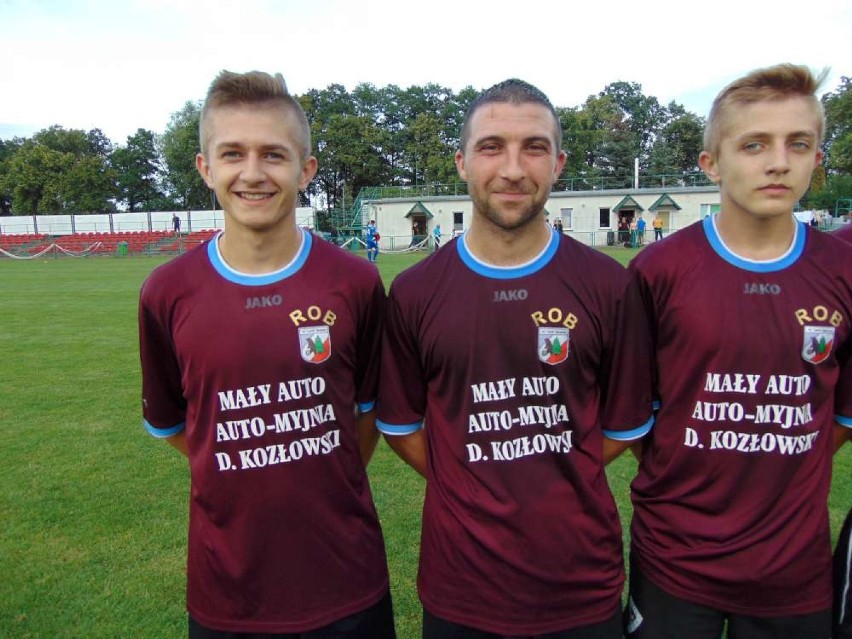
{"points": [[505, 383]]}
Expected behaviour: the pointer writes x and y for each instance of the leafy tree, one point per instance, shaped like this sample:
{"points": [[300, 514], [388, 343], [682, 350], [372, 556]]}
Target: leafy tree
{"points": [[137, 171], [642, 117], [178, 148], [59, 171], [7, 149], [837, 187], [603, 137], [838, 111], [678, 144], [393, 122], [327, 112], [87, 186], [31, 178], [431, 151]]}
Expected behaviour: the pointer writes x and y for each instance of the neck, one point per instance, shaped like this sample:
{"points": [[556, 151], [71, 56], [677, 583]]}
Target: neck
{"points": [[756, 238], [257, 253], [499, 247]]}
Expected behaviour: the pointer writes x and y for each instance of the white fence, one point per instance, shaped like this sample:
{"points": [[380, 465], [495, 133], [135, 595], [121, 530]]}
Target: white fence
{"points": [[115, 222]]}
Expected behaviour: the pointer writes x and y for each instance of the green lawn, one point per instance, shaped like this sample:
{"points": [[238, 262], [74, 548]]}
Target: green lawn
{"points": [[92, 509]]}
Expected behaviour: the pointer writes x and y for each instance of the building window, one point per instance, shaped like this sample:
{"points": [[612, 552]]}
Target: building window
{"points": [[567, 216], [604, 219], [458, 222], [710, 209]]}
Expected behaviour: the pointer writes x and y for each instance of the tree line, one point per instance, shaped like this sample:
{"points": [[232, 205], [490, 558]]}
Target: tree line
{"points": [[374, 136]]}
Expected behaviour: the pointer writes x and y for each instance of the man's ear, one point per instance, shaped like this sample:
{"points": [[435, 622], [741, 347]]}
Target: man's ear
{"points": [[708, 164], [460, 165], [309, 170], [204, 169]]}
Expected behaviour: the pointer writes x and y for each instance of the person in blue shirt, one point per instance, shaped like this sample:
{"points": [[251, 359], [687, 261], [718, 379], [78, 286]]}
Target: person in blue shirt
{"points": [[372, 241]]}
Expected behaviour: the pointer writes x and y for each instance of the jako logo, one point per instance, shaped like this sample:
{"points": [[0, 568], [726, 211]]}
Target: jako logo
{"points": [[761, 289], [512, 295], [263, 301]]}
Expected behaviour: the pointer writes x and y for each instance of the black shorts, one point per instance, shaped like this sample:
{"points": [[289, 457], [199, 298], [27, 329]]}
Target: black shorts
{"points": [[843, 582], [437, 628], [376, 622], [652, 613]]}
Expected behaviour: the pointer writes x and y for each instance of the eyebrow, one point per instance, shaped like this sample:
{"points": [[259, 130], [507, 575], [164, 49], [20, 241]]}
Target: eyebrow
{"points": [[500, 138], [263, 147], [809, 134]]}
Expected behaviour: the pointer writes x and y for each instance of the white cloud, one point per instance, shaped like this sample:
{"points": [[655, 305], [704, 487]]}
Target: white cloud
{"points": [[119, 66]]}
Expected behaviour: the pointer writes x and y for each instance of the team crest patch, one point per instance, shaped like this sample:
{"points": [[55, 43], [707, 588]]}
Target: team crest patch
{"points": [[552, 345], [315, 343], [817, 344]]}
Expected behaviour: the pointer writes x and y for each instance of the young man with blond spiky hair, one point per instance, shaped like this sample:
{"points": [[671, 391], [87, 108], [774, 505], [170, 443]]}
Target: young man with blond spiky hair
{"points": [[260, 362], [750, 312]]}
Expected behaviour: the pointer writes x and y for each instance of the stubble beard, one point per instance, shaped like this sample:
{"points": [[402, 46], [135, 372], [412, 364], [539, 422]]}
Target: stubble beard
{"points": [[510, 221]]}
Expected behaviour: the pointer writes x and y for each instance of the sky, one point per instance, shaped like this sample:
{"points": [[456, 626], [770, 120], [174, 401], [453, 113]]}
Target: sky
{"points": [[121, 65]]}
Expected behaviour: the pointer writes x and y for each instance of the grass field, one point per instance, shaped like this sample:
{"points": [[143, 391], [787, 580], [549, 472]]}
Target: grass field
{"points": [[92, 509]]}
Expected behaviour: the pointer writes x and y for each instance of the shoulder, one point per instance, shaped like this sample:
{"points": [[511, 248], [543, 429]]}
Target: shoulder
{"points": [[342, 263], [844, 233], [829, 248], [591, 272], [176, 272], [429, 273], [672, 249], [587, 260]]}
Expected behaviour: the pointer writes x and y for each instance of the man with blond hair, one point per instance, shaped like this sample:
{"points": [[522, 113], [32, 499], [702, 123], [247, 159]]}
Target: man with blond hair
{"points": [[260, 364], [750, 312]]}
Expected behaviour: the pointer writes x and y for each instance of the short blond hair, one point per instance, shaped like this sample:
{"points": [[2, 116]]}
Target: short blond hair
{"points": [[771, 83], [252, 89]]}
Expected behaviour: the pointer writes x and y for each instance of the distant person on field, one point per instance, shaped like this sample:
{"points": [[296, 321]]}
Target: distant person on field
{"points": [[176, 223], [657, 223], [436, 235], [750, 313], [260, 363], [640, 230], [508, 384], [372, 238], [623, 229]]}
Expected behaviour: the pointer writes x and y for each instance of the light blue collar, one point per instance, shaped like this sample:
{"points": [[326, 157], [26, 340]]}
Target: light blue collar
{"points": [[770, 266], [247, 279], [507, 272]]}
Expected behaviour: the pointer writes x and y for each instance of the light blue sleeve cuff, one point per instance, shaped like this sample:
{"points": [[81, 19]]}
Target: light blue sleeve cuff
{"points": [[843, 421], [629, 435], [398, 429], [366, 407], [162, 433]]}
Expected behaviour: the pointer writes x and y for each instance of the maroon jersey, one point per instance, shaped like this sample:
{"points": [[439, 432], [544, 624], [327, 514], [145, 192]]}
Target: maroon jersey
{"points": [[511, 368], [753, 369], [264, 373], [844, 233]]}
